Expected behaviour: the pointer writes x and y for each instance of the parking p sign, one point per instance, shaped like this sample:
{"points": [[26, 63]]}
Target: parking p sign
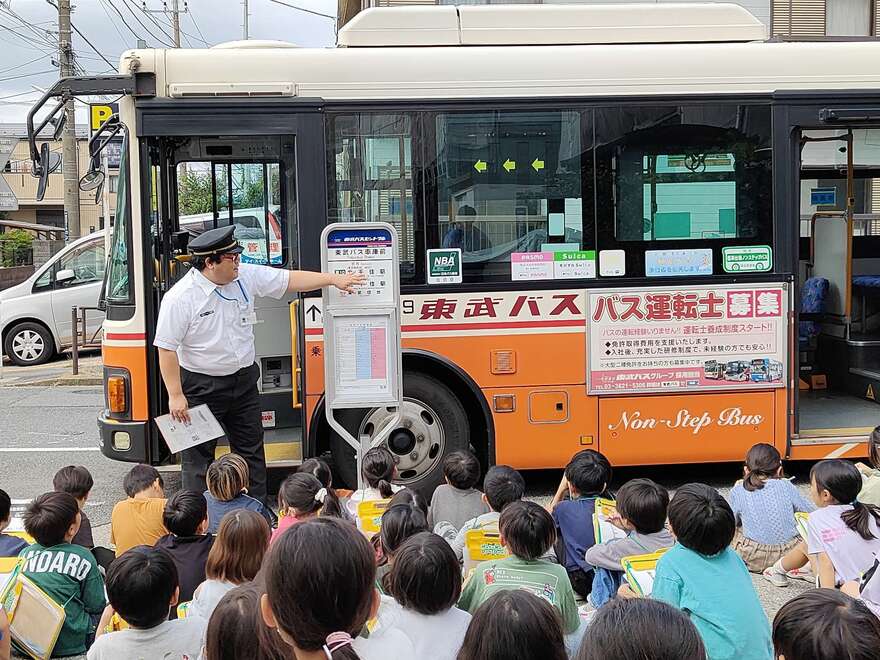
{"points": [[444, 266]]}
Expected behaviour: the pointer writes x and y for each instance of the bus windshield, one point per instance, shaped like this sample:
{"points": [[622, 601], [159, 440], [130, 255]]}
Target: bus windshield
{"points": [[118, 285]]}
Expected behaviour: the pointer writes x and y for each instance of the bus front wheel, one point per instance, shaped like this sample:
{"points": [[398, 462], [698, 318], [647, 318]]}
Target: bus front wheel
{"points": [[433, 423]]}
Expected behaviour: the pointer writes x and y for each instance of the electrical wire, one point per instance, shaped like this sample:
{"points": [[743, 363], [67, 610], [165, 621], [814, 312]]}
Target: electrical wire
{"points": [[28, 75], [113, 23], [152, 19], [308, 11], [36, 59], [192, 17], [124, 22], [141, 23]]}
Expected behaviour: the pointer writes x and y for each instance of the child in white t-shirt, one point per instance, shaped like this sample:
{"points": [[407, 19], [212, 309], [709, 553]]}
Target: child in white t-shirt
{"points": [[142, 586], [424, 585], [378, 469]]}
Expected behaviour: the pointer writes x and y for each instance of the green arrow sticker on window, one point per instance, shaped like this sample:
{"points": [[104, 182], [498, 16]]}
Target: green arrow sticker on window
{"points": [[747, 259]]}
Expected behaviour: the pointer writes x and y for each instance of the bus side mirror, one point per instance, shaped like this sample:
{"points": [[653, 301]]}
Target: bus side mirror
{"points": [[49, 162]]}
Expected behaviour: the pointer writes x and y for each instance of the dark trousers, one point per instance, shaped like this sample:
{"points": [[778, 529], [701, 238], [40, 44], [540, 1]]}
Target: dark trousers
{"points": [[581, 580], [235, 402]]}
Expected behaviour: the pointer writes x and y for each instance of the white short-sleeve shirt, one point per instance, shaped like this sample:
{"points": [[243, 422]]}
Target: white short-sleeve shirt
{"points": [[211, 327]]}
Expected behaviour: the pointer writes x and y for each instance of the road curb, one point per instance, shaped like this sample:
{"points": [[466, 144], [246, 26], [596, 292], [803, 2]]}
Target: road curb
{"points": [[58, 382]]}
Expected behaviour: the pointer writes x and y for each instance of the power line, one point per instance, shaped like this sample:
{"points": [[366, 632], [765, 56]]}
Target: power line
{"points": [[161, 27], [36, 59], [28, 75], [141, 23], [308, 11], [84, 38], [113, 23], [192, 17], [124, 22]]}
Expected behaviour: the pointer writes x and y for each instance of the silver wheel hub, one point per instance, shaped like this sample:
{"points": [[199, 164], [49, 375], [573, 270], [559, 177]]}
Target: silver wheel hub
{"points": [[417, 442], [28, 345]]}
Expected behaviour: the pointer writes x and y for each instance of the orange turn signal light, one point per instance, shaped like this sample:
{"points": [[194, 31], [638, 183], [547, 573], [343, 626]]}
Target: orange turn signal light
{"points": [[116, 399]]}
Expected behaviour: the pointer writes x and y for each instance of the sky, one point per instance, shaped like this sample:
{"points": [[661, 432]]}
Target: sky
{"points": [[29, 36]]}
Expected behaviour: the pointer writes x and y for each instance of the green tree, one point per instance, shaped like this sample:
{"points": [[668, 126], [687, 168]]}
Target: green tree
{"points": [[15, 247], [194, 193]]}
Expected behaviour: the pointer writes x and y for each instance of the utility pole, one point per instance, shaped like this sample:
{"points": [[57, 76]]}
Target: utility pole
{"points": [[244, 21], [175, 22], [69, 158]]}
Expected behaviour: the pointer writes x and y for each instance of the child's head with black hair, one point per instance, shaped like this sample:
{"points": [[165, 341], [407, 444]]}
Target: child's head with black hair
{"points": [[320, 587], [399, 522], [142, 586], [318, 469], [836, 481], [426, 575], [410, 496], [52, 518], [462, 470], [74, 480], [143, 481], [186, 513], [701, 519], [825, 624], [626, 628], [763, 462], [527, 530], [237, 630], [643, 504], [379, 468], [588, 473], [514, 624], [302, 495], [502, 486], [5, 509]]}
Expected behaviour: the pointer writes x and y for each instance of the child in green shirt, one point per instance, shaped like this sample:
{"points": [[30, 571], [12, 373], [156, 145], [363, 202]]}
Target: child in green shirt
{"points": [[67, 573], [528, 532]]}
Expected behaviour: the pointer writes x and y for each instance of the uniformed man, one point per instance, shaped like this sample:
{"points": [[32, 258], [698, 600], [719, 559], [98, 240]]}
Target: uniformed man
{"points": [[205, 339]]}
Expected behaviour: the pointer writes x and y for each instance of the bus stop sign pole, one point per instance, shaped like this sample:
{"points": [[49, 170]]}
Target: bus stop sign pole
{"points": [[362, 357]]}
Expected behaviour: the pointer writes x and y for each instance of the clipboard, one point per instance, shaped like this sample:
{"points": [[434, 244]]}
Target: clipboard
{"points": [[640, 570], [35, 619], [800, 520], [179, 436], [602, 529]]}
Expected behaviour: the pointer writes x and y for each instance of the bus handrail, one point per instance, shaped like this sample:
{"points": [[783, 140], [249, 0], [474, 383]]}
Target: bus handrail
{"points": [[294, 352]]}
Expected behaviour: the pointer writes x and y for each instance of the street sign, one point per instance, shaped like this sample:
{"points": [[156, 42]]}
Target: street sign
{"points": [[99, 113], [362, 357], [747, 259], [444, 266]]}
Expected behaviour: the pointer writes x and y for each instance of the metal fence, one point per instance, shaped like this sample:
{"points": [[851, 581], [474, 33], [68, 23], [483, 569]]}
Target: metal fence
{"points": [[14, 254]]}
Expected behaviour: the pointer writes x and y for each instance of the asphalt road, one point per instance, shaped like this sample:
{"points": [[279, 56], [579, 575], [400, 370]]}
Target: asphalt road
{"points": [[45, 428]]}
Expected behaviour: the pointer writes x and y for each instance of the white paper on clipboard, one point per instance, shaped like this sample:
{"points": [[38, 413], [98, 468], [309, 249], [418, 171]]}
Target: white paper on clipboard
{"points": [[202, 427]]}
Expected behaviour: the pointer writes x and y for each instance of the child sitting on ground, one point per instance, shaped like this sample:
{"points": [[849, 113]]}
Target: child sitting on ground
{"points": [[458, 500], [702, 576], [378, 469], [527, 531], [237, 630], [320, 592], [641, 628], [842, 534], [234, 559], [870, 493], [425, 583], [411, 497], [77, 481], [641, 513], [825, 624], [10, 546], [142, 587], [186, 518], [399, 522], [514, 625], [227, 479], [319, 469], [586, 478], [138, 519], [300, 497], [68, 573], [502, 486], [764, 503]]}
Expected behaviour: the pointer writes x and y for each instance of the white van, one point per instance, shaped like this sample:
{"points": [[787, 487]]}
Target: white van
{"points": [[35, 316]]}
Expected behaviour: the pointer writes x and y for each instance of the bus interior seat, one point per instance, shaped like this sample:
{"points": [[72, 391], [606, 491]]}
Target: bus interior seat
{"points": [[814, 296]]}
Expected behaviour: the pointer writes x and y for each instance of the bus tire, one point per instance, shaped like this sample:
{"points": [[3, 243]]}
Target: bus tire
{"points": [[434, 424], [28, 344]]}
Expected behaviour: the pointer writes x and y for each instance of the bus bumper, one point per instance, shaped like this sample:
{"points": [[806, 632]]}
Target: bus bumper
{"points": [[123, 441]]}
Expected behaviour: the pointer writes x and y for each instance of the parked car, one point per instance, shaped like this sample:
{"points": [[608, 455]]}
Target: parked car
{"points": [[35, 316]]}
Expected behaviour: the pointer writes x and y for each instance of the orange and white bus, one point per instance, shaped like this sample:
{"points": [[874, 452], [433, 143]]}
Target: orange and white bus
{"points": [[667, 224]]}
